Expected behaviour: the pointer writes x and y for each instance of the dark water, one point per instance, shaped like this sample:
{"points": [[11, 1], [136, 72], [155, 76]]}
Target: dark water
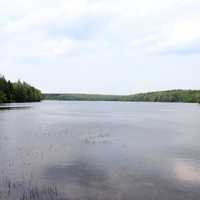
{"points": [[101, 150]]}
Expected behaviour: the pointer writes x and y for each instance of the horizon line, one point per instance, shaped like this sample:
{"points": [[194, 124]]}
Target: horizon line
{"points": [[152, 91]]}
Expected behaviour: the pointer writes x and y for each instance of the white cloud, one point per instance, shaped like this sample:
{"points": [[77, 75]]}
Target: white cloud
{"points": [[106, 31], [183, 33]]}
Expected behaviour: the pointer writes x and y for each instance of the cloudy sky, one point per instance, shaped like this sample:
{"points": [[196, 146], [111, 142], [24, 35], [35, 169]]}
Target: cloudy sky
{"points": [[101, 46]]}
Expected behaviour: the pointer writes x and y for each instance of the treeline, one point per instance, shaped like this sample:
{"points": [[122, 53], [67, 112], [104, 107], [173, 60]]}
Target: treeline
{"points": [[82, 97], [187, 96], [18, 92]]}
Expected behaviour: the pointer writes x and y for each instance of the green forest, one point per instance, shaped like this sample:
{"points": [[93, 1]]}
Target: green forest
{"points": [[82, 97], [23, 92], [18, 92], [187, 96]]}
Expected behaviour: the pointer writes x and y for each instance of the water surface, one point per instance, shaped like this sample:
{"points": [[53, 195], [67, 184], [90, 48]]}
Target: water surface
{"points": [[102, 150]]}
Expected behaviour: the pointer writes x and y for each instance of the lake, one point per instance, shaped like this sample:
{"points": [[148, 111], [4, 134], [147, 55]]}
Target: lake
{"points": [[100, 151]]}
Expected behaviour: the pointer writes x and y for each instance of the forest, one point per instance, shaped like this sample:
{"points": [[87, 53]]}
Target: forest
{"points": [[187, 96], [23, 92], [18, 92]]}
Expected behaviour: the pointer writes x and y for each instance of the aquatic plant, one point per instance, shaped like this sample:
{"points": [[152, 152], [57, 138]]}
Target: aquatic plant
{"points": [[25, 191]]}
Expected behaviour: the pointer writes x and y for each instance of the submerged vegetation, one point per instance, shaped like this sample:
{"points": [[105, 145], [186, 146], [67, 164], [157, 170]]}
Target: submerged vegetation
{"points": [[187, 96], [18, 92]]}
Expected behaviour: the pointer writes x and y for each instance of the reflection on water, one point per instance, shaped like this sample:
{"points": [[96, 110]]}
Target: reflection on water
{"points": [[186, 170], [14, 107], [100, 150], [79, 172]]}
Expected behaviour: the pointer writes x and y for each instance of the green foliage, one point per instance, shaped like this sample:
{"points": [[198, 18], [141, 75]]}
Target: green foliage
{"points": [[2, 97], [187, 96], [18, 92], [82, 97]]}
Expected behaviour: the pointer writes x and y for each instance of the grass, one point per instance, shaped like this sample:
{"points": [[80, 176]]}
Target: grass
{"points": [[25, 191]]}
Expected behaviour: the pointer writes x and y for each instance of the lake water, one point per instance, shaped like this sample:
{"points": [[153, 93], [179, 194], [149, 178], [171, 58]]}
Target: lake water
{"points": [[100, 151]]}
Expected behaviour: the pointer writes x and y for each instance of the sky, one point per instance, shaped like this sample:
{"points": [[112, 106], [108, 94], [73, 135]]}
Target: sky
{"points": [[101, 46]]}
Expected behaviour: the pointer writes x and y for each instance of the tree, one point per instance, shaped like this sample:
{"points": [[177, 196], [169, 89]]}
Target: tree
{"points": [[18, 92], [2, 97]]}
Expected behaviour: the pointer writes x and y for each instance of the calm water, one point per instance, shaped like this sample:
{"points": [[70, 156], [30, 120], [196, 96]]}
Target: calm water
{"points": [[102, 150]]}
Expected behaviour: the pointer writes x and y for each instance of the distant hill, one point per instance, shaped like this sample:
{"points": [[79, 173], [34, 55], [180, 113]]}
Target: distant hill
{"points": [[187, 96], [82, 97]]}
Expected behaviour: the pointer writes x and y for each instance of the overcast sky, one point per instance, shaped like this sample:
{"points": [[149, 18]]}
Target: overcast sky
{"points": [[101, 46]]}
